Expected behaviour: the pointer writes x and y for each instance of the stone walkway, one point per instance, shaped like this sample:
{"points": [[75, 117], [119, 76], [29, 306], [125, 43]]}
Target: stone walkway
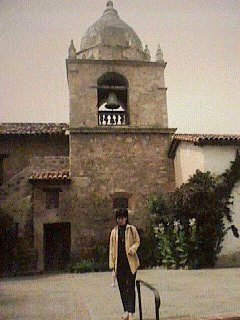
{"points": [[90, 296]]}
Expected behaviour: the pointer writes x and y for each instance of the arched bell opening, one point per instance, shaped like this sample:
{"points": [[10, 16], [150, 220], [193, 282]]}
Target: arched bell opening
{"points": [[112, 100]]}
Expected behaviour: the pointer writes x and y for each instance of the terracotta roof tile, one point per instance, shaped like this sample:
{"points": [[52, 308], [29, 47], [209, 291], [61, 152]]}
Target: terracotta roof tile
{"points": [[197, 137], [50, 175], [202, 139], [27, 128]]}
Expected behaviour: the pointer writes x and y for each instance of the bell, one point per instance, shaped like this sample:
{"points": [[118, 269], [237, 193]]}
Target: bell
{"points": [[112, 101]]}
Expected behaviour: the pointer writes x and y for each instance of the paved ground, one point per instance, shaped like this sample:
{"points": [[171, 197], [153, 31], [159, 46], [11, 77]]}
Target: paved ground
{"points": [[90, 296]]}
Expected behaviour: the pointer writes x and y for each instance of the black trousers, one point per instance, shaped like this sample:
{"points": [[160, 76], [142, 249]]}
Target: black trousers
{"points": [[126, 284]]}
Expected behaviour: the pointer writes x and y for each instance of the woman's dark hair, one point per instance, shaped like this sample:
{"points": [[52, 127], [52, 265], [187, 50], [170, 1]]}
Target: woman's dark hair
{"points": [[122, 213]]}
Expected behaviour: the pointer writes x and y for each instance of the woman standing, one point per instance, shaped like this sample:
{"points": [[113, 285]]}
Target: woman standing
{"points": [[123, 259]]}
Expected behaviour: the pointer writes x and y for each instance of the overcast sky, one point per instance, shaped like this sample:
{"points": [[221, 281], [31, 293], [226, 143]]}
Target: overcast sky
{"points": [[200, 40]]}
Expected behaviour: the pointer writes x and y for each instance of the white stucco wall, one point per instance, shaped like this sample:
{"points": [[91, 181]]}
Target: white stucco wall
{"points": [[215, 159], [188, 158]]}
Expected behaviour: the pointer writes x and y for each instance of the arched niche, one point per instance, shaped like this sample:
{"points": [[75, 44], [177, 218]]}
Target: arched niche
{"points": [[112, 86]]}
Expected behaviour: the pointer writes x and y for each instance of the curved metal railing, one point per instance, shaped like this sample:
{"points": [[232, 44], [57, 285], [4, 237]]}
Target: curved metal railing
{"points": [[156, 295]]}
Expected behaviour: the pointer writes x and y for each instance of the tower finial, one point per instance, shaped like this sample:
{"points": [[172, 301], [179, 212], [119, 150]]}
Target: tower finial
{"points": [[109, 4], [159, 54], [147, 53], [72, 51], [109, 8]]}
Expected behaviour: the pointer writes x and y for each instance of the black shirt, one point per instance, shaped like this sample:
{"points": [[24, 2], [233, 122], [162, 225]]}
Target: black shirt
{"points": [[122, 261]]}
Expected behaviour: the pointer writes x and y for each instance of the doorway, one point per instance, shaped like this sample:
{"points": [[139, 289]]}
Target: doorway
{"points": [[56, 245]]}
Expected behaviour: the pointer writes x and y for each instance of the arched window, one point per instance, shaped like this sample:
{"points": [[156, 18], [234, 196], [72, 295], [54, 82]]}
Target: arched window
{"points": [[112, 100]]}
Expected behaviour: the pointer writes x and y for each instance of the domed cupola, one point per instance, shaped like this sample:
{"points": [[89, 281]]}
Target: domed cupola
{"points": [[110, 38]]}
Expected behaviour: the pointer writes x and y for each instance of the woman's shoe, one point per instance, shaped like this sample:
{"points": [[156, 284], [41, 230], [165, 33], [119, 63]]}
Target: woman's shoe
{"points": [[125, 316]]}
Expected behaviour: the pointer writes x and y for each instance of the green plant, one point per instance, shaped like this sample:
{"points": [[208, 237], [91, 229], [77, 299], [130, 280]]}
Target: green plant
{"points": [[96, 264], [147, 251], [204, 198], [101, 257], [82, 266], [16, 255], [176, 245]]}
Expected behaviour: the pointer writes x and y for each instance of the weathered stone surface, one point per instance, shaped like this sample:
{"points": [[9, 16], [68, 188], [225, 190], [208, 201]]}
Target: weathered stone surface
{"points": [[136, 164], [146, 95], [15, 198], [49, 163], [17, 195], [111, 38], [21, 149]]}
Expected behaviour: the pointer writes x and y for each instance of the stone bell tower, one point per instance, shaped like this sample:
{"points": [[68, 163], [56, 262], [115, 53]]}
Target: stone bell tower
{"points": [[119, 133]]}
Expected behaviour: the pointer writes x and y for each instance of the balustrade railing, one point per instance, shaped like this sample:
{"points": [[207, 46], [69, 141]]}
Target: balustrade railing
{"points": [[112, 118]]}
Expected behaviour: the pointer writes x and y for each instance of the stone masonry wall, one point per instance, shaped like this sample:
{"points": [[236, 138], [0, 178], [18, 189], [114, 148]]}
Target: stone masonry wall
{"points": [[22, 148], [146, 97], [102, 165], [43, 216], [38, 164], [17, 193]]}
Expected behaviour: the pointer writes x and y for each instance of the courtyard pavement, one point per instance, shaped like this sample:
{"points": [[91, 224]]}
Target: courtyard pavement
{"points": [[89, 296]]}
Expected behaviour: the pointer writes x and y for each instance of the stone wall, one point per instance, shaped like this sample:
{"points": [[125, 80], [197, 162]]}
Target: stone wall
{"points": [[22, 148], [43, 216], [28, 154], [146, 96], [106, 165], [39, 164], [16, 200]]}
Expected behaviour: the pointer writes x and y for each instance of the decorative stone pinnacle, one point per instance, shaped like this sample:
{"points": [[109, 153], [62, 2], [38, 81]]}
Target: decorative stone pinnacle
{"points": [[109, 4], [130, 41], [72, 51], [159, 54], [147, 53], [110, 8]]}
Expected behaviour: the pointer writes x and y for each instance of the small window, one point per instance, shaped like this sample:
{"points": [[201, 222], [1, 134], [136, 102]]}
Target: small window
{"points": [[120, 203], [52, 199]]}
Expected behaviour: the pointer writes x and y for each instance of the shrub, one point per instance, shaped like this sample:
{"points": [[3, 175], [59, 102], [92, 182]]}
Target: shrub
{"points": [[16, 255], [87, 265], [177, 247], [96, 264], [204, 198], [147, 251], [101, 257]]}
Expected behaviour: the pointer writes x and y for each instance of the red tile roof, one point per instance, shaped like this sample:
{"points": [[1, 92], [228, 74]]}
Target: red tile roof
{"points": [[202, 139], [197, 137], [27, 128], [50, 175]]}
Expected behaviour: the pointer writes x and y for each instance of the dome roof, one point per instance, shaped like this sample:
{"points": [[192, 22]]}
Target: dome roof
{"points": [[110, 31]]}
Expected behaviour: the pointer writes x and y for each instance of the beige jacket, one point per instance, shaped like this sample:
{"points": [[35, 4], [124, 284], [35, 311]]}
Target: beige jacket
{"points": [[132, 240]]}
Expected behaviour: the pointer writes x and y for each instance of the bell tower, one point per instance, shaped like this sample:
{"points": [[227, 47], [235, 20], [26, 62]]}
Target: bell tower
{"points": [[119, 133], [111, 61]]}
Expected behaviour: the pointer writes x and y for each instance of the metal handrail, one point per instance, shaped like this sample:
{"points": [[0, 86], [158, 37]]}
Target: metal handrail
{"points": [[156, 295]]}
